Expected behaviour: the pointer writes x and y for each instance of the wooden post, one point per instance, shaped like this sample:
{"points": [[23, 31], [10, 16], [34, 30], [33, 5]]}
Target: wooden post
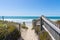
{"points": [[41, 23]]}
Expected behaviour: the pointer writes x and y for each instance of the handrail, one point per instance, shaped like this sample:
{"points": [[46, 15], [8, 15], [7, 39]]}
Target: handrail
{"points": [[51, 24]]}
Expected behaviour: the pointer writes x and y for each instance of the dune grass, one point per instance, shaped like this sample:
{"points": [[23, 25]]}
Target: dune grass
{"points": [[24, 26], [11, 31], [44, 36]]}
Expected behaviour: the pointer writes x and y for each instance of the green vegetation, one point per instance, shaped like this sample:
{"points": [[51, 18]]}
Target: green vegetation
{"points": [[32, 28], [34, 23], [58, 21], [37, 29], [44, 36], [24, 26], [9, 32]]}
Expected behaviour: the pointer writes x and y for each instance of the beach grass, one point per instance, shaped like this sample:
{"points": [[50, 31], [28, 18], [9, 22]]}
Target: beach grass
{"points": [[8, 32], [24, 26]]}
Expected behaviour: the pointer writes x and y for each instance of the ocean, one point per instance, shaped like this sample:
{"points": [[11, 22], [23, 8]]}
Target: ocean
{"points": [[27, 18]]}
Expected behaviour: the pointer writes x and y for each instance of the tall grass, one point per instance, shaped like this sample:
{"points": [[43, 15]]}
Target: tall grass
{"points": [[9, 33]]}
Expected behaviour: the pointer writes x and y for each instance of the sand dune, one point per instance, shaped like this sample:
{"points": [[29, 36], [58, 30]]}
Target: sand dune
{"points": [[28, 34]]}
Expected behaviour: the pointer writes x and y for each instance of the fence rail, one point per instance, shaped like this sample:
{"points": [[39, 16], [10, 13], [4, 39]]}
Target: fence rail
{"points": [[52, 27]]}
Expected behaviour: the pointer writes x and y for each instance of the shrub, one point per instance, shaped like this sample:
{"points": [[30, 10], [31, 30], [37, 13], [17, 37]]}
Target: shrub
{"points": [[24, 26], [9, 33]]}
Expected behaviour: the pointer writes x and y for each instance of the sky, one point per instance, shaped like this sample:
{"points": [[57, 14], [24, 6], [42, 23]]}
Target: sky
{"points": [[29, 7]]}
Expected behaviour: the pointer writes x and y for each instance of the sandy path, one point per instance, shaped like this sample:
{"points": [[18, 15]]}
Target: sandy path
{"points": [[28, 34]]}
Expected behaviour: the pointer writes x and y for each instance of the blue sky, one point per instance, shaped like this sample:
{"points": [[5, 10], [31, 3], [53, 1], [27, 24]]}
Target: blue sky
{"points": [[29, 7]]}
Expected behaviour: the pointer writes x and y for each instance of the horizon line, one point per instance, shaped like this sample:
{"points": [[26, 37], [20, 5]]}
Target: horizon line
{"points": [[28, 17]]}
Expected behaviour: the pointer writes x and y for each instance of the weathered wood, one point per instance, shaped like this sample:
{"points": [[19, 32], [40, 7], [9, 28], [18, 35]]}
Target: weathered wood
{"points": [[51, 27]]}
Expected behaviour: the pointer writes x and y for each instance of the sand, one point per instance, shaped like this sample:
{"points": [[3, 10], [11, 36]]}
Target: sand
{"points": [[28, 34]]}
